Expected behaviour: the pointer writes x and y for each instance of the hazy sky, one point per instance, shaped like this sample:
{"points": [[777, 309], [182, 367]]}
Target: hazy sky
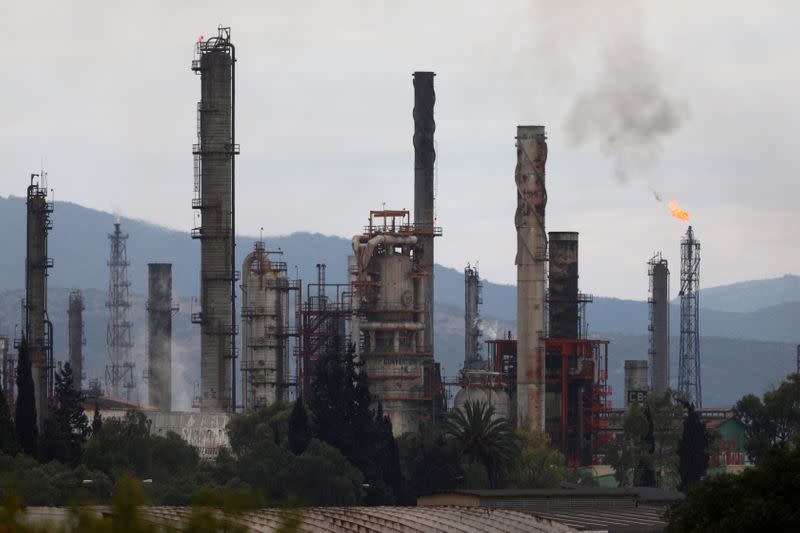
{"points": [[694, 100]]}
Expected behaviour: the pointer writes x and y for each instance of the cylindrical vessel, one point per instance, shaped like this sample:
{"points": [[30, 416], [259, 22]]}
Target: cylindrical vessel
{"points": [[635, 381], [659, 347], [531, 256]]}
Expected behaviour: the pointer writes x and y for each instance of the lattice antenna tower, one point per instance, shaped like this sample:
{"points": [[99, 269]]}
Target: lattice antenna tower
{"points": [[119, 369], [689, 383]]}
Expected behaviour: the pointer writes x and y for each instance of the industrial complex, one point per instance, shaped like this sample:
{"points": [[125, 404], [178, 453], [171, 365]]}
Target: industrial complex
{"points": [[262, 333]]}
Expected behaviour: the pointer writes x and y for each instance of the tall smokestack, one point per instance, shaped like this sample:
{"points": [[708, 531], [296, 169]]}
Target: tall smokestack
{"points": [[563, 282], [659, 324], [159, 335], [215, 199], [76, 340], [424, 158], [530, 261], [38, 328]]}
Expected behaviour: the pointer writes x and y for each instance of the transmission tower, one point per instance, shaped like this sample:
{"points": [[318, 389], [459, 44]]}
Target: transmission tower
{"points": [[689, 363], [119, 370]]}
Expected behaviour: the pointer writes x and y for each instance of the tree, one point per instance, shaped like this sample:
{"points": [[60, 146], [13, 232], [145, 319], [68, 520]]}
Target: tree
{"points": [[538, 466], [647, 472], [692, 449], [763, 498], [772, 421], [67, 428], [97, 420], [483, 438], [8, 435], [299, 432], [431, 462], [25, 416], [341, 404]]}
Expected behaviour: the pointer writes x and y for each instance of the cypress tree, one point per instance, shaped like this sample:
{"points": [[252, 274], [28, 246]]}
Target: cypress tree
{"points": [[97, 420], [8, 435], [67, 428], [692, 449], [25, 416], [299, 433]]}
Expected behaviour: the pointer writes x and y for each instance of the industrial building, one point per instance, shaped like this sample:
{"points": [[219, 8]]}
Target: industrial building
{"points": [[390, 319], [214, 195]]}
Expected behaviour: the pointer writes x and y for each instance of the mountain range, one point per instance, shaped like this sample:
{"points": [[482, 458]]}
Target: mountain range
{"points": [[749, 329]]}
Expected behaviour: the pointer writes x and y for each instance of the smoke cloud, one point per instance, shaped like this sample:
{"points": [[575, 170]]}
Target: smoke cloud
{"points": [[628, 111]]}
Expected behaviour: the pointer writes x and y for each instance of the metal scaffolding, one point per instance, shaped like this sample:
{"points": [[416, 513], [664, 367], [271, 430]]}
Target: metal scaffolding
{"points": [[473, 289], [77, 339], [689, 382], [119, 369]]}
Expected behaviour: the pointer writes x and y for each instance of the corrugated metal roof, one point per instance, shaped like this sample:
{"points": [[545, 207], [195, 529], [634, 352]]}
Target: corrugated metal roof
{"points": [[382, 519]]}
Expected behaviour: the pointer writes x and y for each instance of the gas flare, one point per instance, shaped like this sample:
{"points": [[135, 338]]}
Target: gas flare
{"points": [[677, 212]]}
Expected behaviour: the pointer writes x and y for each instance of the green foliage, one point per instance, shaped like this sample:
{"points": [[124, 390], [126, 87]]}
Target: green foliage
{"points": [[775, 420], [67, 428], [25, 417], [538, 466], [430, 462], [341, 404], [483, 438], [97, 419], [645, 455], [763, 498], [299, 430], [49, 484], [692, 449], [8, 435]]}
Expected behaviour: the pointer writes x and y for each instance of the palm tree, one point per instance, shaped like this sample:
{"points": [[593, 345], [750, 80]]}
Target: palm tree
{"points": [[483, 438]]}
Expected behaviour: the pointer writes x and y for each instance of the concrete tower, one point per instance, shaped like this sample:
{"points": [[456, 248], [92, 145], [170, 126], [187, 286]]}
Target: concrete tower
{"points": [[214, 153], [424, 217], [531, 256], [159, 335], [37, 326], [76, 337], [659, 324]]}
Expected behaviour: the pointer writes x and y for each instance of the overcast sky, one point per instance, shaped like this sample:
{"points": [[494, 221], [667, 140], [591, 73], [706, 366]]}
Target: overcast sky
{"points": [[693, 101]]}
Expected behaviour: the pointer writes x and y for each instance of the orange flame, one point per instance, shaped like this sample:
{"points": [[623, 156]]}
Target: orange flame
{"points": [[200, 39], [677, 212]]}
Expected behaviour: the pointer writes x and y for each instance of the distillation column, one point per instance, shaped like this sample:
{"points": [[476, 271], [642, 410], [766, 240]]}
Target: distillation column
{"points": [[76, 337], [38, 328], [214, 198], [159, 335], [659, 324], [531, 256], [472, 331], [265, 315], [424, 217]]}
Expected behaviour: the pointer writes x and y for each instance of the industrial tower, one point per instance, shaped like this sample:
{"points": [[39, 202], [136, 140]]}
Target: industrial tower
{"points": [[658, 270], [530, 261], [119, 368], [36, 324], [214, 198], [472, 319], [159, 335], [689, 363], [77, 340]]}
